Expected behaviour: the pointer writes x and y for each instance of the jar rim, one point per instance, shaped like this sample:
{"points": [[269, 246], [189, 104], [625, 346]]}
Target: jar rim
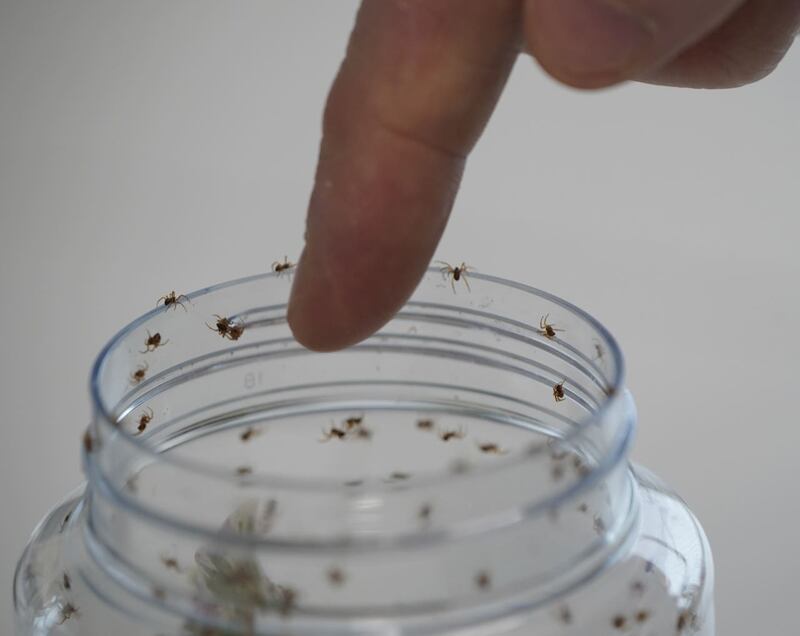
{"points": [[613, 394]]}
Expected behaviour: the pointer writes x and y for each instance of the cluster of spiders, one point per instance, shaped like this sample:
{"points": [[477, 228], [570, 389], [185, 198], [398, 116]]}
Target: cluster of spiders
{"points": [[446, 435], [228, 328], [351, 427]]}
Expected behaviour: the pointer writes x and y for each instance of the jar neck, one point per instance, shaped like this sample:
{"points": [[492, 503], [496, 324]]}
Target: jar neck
{"points": [[479, 543]]}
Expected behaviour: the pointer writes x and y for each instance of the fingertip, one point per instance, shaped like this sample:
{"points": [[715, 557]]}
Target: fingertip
{"points": [[312, 317], [588, 43]]}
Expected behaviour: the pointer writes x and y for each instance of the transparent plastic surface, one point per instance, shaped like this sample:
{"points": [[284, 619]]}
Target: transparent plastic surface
{"points": [[462, 471]]}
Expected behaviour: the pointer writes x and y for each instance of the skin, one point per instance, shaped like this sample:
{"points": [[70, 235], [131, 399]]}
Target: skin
{"points": [[415, 90]]}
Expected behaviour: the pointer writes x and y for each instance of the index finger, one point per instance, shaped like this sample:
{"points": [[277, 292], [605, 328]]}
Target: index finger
{"points": [[414, 92]]}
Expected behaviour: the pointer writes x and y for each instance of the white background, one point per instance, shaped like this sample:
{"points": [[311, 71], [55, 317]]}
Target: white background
{"points": [[151, 146]]}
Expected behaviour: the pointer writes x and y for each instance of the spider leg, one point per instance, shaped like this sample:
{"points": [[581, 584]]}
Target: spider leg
{"points": [[466, 282]]}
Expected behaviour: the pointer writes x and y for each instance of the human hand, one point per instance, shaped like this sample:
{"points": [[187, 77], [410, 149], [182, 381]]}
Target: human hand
{"points": [[416, 88]]}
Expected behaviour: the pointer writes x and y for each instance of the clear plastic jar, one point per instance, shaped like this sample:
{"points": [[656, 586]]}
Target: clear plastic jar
{"points": [[425, 481]]}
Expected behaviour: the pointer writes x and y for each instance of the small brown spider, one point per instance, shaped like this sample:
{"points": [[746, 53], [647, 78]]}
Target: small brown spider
{"points": [[138, 375], [279, 267], [619, 622], [558, 391], [66, 581], [352, 422], [598, 350], [637, 588], [362, 432], [483, 580], [455, 273], [153, 342], [88, 442], [353, 483], [557, 472], [243, 471], [171, 563], [424, 513], [222, 325], [584, 508], [144, 420], [492, 449], [331, 433], [642, 616], [565, 615], [335, 576], [446, 436], [546, 329], [425, 425], [399, 476], [173, 300], [67, 612], [248, 433]]}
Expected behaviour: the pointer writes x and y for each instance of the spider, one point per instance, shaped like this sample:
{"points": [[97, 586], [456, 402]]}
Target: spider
{"points": [[171, 300], [455, 273], [153, 342], [222, 325], [248, 434], [88, 442], [425, 425], [144, 420], [138, 375], [279, 267], [446, 436], [336, 576], [67, 612], [546, 329], [333, 432], [558, 391], [171, 563], [363, 432], [353, 422], [492, 449]]}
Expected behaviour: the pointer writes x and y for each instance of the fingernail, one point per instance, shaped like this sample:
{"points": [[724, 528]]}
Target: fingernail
{"points": [[595, 37]]}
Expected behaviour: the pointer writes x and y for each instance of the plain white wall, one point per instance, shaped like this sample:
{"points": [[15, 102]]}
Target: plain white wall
{"points": [[152, 146]]}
